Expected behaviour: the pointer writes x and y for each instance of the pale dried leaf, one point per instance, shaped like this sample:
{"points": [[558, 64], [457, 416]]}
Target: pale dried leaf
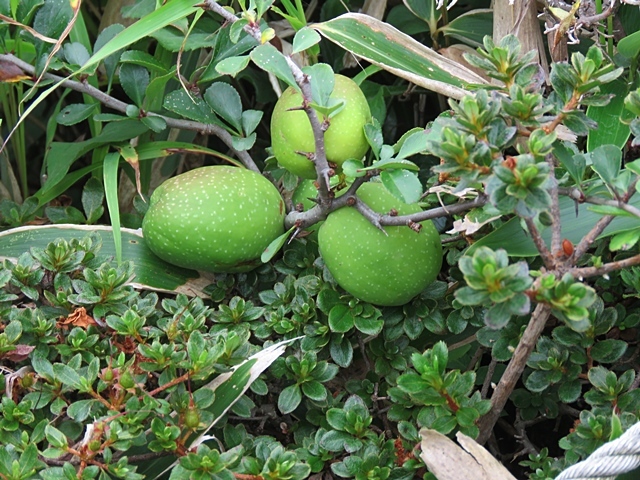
{"points": [[448, 461]]}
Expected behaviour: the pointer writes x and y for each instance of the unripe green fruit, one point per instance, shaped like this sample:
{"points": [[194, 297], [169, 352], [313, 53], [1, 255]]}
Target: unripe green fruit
{"points": [[108, 374], [304, 193], [192, 418], [94, 445], [381, 269], [291, 130], [217, 219], [126, 380]]}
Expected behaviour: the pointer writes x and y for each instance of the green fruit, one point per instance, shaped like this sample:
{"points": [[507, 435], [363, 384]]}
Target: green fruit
{"points": [[304, 194], [377, 268], [291, 131], [192, 418], [126, 380], [217, 219]]}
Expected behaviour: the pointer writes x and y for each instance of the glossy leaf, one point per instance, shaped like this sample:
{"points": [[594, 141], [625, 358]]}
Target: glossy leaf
{"points": [[403, 184], [150, 271], [75, 113], [516, 242], [305, 38], [398, 53], [268, 58], [611, 130]]}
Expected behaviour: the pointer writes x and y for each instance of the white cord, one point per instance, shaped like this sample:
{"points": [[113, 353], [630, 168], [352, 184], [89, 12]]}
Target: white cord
{"points": [[610, 460]]}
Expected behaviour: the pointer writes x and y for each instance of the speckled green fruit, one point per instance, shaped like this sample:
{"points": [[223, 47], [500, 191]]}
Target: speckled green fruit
{"points": [[379, 269], [303, 195], [216, 219], [291, 131]]}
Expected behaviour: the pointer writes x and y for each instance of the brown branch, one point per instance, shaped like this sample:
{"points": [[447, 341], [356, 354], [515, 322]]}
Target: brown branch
{"points": [[576, 194], [556, 226], [599, 227], [514, 370], [586, 272], [175, 381], [318, 213], [320, 158], [546, 255], [120, 106]]}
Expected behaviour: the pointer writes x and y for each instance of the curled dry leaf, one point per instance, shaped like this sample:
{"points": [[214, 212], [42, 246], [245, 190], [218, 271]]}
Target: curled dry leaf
{"points": [[10, 72], [18, 354], [79, 318]]}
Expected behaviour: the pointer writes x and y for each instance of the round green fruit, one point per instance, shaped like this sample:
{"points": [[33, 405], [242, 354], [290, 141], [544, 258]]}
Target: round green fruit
{"points": [[291, 131], [381, 269], [216, 219]]}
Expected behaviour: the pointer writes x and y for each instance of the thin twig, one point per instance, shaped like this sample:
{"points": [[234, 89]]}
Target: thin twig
{"points": [[514, 370], [320, 158], [556, 226], [487, 380], [318, 213], [545, 254], [576, 194], [598, 228], [586, 272], [120, 106]]}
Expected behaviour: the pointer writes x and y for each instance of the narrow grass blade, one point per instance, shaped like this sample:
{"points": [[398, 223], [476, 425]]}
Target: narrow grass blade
{"points": [[110, 176]]}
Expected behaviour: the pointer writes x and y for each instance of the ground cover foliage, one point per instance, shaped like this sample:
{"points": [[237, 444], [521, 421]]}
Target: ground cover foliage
{"points": [[114, 364]]}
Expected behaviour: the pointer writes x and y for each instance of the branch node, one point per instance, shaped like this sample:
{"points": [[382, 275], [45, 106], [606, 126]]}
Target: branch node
{"points": [[416, 227]]}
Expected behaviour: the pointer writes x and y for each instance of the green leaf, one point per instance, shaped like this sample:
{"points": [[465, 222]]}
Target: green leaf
{"points": [[80, 409], [67, 375], [341, 351], [412, 383], [471, 27], [275, 246], [608, 350], [61, 156], [193, 108], [195, 345], [134, 80], [322, 81], [538, 381], [467, 416], [314, 390], [75, 113], [511, 237], [149, 270], [624, 240], [413, 144], [570, 391], [233, 65], [354, 168], [144, 59], [250, 120], [92, 199], [155, 124], [75, 53], [629, 46], [268, 58], [369, 326], [575, 163], [305, 38], [225, 101], [110, 178], [341, 319], [611, 130], [389, 48], [55, 437], [403, 184], [606, 161], [335, 441]]}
